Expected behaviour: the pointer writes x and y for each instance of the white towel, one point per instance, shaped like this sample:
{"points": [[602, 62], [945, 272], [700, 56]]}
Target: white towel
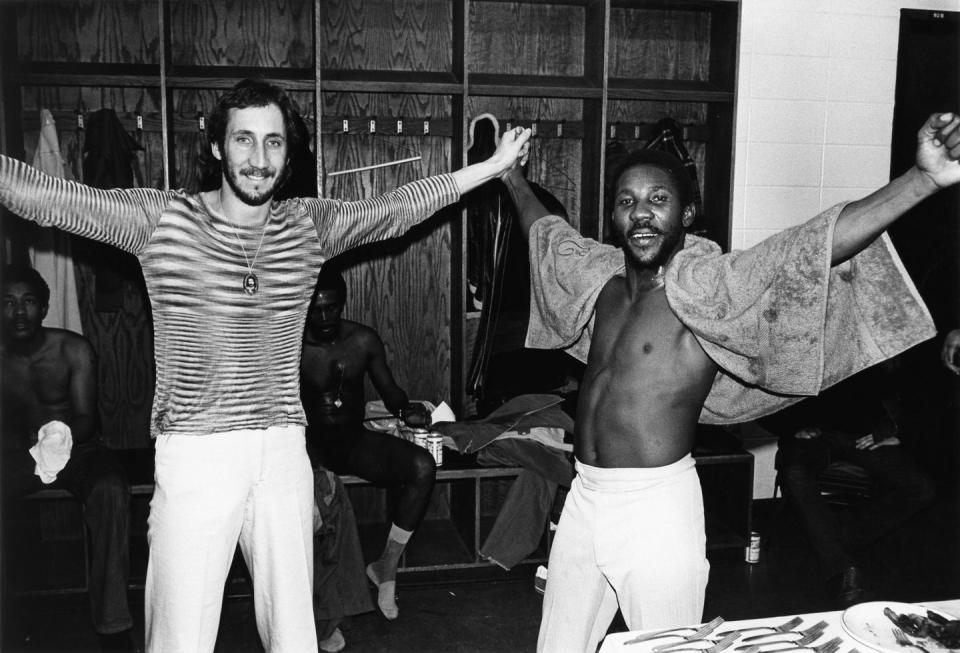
{"points": [[52, 450]]}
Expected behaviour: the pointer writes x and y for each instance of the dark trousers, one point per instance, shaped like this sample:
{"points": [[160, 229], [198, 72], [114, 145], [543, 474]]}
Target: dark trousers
{"points": [[903, 489], [95, 477]]}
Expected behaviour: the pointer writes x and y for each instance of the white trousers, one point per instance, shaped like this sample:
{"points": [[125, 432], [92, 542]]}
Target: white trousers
{"points": [[251, 486], [631, 536]]}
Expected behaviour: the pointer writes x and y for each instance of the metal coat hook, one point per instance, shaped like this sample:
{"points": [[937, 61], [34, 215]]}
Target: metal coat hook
{"points": [[201, 122], [345, 125], [139, 112], [426, 126], [400, 125], [80, 122]]}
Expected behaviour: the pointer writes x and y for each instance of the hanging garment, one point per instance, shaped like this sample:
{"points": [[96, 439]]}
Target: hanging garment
{"points": [[50, 251], [110, 161]]}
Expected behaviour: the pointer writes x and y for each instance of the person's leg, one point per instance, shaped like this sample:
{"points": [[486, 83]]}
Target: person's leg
{"points": [[202, 485], [388, 461], [277, 541], [903, 490], [653, 545], [95, 476], [799, 465], [578, 603]]}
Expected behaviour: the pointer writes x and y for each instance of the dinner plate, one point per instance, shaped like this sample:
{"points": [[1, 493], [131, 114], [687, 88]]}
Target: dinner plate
{"points": [[866, 623]]}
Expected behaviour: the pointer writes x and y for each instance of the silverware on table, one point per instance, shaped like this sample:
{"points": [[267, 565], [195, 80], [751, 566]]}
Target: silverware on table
{"points": [[818, 627], [695, 632], [713, 646], [829, 646], [786, 626], [903, 640]]}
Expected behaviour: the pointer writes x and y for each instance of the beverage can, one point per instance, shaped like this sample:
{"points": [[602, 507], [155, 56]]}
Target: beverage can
{"points": [[435, 447], [753, 549], [420, 437]]}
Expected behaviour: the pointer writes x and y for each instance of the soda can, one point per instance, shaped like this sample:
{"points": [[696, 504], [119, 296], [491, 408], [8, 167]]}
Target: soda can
{"points": [[420, 437], [753, 549], [435, 447]]}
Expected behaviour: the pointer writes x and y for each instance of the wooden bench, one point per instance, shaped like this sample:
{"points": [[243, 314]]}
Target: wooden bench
{"points": [[727, 479]]}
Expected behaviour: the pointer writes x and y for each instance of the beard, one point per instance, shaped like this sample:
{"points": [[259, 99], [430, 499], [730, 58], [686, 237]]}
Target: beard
{"points": [[652, 258], [252, 198]]}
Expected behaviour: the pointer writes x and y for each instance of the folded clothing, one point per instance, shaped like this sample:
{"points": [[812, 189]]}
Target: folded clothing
{"points": [[52, 450]]}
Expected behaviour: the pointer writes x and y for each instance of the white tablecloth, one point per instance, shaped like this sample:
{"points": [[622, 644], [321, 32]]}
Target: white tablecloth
{"points": [[615, 643]]}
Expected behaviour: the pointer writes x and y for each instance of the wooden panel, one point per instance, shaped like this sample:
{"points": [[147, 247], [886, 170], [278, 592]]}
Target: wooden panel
{"points": [[242, 33], [554, 163], [401, 35], [549, 39], [400, 288], [88, 31], [657, 44]]}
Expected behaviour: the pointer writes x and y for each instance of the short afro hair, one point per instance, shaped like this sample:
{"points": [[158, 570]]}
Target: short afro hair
{"points": [[28, 275]]}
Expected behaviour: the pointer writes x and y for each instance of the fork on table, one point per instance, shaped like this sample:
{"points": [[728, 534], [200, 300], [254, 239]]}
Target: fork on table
{"points": [[782, 628], [809, 638], [829, 646], [903, 640], [713, 646], [696, 633], [818, 628]]}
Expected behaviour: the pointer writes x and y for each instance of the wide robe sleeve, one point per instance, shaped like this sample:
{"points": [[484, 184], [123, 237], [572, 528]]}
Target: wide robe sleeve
{"points": [[567, 273], [782, 323]]}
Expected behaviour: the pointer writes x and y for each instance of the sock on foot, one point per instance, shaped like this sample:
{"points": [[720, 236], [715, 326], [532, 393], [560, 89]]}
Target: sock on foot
{"points": [[386, 591]]}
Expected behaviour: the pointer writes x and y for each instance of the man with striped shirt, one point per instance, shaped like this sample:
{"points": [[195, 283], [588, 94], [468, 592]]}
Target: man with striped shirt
{"points": [[230, 275]]}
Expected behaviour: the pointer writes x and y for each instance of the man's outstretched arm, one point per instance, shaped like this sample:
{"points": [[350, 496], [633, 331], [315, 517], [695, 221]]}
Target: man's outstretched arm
{"points": [[529, 207], [936, 167]]}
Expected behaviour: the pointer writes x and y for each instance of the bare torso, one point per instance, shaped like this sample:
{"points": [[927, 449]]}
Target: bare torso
{"points": [[645, 384], [331, 375], [38, 386]]}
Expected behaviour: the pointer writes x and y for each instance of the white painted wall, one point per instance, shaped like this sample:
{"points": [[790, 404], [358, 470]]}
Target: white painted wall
{"points": [[815, 101], [814, 107]]}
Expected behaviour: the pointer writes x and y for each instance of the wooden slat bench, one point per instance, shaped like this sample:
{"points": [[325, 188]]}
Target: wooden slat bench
{"points": [[727, 478]]}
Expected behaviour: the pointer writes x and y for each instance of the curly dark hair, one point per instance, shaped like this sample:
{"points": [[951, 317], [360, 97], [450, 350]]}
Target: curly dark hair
{"points": [[28, 275], [253, 93], [659, 159]]}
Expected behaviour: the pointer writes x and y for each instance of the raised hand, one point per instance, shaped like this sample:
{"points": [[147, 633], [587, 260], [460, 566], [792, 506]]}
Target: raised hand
{"points": [[938, 149]]}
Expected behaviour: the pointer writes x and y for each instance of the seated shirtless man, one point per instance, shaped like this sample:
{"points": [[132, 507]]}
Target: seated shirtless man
{"points": [[50, 375], [337, 354], [674, 332]]}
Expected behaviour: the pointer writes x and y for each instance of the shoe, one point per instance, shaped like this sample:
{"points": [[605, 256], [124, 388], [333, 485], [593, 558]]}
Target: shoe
{"points": [[851, 587], [334, 643]]}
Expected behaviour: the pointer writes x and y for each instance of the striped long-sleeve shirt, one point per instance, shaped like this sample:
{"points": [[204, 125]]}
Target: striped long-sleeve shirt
{"points": [[225, 360]]}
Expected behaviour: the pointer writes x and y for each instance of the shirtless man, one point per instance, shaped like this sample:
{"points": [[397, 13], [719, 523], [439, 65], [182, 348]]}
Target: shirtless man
{"points": [[632, 530], [337, 353], [51, 375]]}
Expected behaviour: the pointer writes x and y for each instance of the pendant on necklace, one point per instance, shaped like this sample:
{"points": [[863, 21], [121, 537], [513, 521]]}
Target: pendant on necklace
{"points": [[250, 283]]}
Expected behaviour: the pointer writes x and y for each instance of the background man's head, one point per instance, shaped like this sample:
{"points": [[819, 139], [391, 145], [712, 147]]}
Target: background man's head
{"points": [[329, 298], [253, 94], [26, 298]]}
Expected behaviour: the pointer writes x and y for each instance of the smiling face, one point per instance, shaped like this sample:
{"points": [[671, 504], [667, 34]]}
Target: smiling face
{"points": [[254, 153], [23, 311], [649, 216]]}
